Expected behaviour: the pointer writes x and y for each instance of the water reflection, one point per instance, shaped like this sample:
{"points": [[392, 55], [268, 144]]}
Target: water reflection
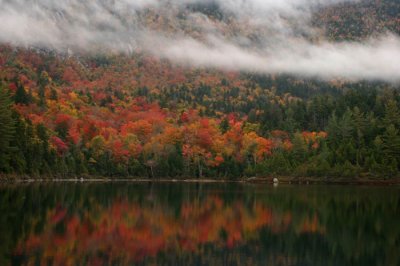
{"points": [[174, 224]]}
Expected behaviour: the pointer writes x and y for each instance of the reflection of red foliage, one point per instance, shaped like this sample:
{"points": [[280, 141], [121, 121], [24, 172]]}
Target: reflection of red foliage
{"points": [[311, 225], [129, 233], [58, 215]]}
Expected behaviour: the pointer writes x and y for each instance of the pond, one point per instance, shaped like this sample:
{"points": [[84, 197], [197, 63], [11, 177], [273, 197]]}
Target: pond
{"points": [[122, 223]]}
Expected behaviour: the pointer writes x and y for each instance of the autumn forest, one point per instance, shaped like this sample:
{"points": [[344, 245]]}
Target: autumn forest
{"points": [[109, 114], [64, 118]]}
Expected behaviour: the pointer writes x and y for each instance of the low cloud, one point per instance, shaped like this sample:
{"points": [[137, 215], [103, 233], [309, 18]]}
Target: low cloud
{"points": [[376, 59], [263, 36]]}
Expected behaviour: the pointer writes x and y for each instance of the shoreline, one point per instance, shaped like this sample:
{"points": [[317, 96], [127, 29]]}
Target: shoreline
{"points": [[252, 180]]}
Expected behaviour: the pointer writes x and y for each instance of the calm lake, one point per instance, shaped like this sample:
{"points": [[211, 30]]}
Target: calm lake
{"points": [[198, 224]]}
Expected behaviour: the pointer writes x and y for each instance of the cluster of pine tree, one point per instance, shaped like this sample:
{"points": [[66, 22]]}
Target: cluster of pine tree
{"points": [[357, 144], [25, 148]]}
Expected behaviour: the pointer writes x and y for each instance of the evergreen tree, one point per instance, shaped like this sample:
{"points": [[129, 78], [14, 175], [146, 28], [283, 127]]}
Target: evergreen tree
{"points": [[54, 95], [7, 129], [44, 80], [392, 114], [224, 125], [21, 96], [391, 143], [18, 162], [299, 151], [290, 123], [346, 125]]}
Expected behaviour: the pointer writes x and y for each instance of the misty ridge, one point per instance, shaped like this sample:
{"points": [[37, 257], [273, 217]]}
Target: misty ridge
{"points": [[260, 36]]}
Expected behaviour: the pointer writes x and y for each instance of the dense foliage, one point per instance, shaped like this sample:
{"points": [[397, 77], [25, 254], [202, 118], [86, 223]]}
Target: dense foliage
{"points": [[132, 116], [118, 115]]}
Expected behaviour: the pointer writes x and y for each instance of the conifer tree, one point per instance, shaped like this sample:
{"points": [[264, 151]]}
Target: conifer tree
{"points": [[392, 114], [391, 143], [7, 129], [21, 96]]}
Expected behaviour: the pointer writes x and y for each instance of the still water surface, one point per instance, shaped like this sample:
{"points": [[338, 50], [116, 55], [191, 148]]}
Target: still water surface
{"points": [[198, 224]]}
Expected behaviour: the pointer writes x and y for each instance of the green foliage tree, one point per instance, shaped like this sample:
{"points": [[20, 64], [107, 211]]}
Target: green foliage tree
{"points": [[44, 81], [391, 144], [21, 97], [7, 129], [392, 114]]}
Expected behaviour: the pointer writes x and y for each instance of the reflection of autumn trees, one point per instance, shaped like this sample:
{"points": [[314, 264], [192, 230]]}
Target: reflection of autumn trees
{"points": [[190, 224], [126, 232]]}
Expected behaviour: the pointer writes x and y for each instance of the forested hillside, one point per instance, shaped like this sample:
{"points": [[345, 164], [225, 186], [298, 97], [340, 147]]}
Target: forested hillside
{"points": [[136, 115]]}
